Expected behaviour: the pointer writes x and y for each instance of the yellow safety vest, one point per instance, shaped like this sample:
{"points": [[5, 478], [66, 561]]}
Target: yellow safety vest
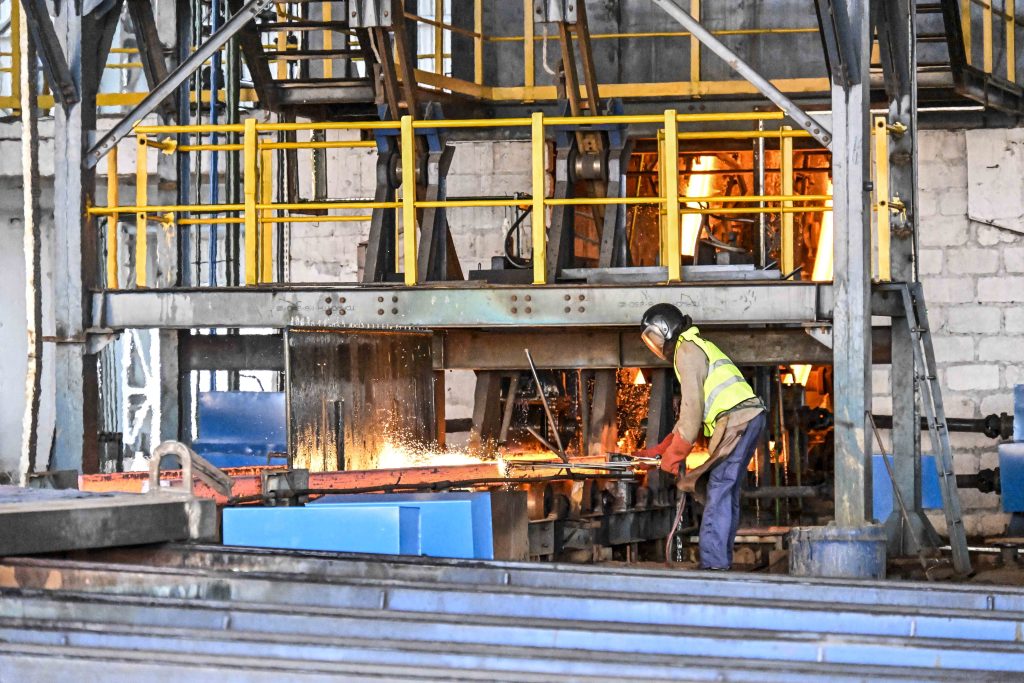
{"points": [[725, 387]]}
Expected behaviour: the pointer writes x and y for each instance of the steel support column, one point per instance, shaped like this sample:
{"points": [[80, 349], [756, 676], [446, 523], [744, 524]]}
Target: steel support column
{"points": [[852, 280], [32, 245], [75, 238], [895, 26]]}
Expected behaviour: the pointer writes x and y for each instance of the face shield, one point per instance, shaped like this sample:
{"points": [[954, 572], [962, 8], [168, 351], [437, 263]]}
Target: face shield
{"points": [[654, 338]]}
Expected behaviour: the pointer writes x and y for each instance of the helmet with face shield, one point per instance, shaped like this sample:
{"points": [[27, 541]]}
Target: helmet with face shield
{"points": [[660, 329]]}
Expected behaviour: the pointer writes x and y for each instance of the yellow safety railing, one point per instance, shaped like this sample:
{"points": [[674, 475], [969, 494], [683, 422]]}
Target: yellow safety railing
{"points": [[999, 24], [259, 213]]}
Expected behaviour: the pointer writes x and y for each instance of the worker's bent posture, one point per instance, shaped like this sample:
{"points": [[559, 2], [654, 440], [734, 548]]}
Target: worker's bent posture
{"points": [[715, 400]]}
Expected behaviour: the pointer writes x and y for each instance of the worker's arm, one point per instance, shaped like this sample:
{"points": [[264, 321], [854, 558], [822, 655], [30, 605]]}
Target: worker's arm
{"points": [[692, 366]]}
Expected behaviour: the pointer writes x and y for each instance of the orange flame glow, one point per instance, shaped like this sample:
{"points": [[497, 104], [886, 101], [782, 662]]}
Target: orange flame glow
{"points": [[699, 185], [823, 257]]}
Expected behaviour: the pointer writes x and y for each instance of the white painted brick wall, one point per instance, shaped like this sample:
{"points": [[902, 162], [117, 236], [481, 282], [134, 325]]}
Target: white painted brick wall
{"points": [[971, 263]]}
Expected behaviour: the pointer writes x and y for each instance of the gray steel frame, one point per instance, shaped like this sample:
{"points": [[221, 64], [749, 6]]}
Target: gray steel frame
{"points": [[743, 304]]}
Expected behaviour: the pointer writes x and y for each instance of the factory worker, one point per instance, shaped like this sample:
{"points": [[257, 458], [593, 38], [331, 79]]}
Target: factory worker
{"points": [[716, 401]]}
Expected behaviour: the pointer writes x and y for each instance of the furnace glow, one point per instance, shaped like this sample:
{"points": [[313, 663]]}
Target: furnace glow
{"points": [[823, 256], [699, 185]]}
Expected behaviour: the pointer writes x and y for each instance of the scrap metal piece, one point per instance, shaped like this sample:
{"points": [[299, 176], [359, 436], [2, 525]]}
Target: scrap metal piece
{"points": [[191, 463], [282, 489]]}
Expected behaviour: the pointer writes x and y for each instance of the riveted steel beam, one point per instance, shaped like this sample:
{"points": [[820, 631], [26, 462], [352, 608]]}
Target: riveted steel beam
{"points": [[803, 303]]}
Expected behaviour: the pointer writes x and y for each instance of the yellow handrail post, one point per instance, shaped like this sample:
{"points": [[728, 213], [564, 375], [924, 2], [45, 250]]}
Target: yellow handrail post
{"points": [[478, 42], [325, 12], [986, 35], [16, 55], [249, 186], [266, 227], [409, 199], [965, 23], [787, 259], [141, 199], [282, 45], [881, 258], [662, 212], [694, 49], [670, 169], [1011, 40], [112, 201], [439, 37], [538, 231], [528, 48]]}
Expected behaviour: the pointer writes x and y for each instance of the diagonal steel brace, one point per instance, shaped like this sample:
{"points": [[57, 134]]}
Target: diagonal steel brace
{"points": [[249, 11], [790, 108], [51, 54]]}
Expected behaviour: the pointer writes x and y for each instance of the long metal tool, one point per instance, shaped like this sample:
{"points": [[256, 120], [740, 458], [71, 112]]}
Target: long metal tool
{"points": [[899, 497], [764, 86], [166, 88], [547, 408]]}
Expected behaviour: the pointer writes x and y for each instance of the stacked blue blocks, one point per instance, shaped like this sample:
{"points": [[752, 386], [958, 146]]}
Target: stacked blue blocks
{"points": [[431, 524]]}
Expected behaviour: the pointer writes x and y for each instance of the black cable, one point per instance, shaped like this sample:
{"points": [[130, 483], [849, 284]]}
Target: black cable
{"points": [[516, 261]]}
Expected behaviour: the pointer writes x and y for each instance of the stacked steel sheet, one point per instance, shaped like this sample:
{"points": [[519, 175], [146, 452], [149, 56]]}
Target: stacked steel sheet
{"points": [[210, 613]]}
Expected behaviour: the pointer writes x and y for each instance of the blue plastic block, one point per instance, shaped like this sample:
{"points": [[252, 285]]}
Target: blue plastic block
{"points": [[388, 529], [881, 489], [1018, 412], [1011, 476], [241, 428], [456, 524]]}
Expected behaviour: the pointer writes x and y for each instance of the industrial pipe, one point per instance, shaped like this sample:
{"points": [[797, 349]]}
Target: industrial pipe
{"points": [[993, 426]]}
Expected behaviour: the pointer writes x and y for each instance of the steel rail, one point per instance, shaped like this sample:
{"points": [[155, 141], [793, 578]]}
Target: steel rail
{"points": [[909, 594], [23, 662], [200, 627], [748, 611]]}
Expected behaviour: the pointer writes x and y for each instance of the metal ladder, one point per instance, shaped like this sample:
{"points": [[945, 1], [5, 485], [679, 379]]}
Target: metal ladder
{"points": [[931, 399]]}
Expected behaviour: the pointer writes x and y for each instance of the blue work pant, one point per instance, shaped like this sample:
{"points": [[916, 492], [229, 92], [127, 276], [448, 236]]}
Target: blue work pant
{"points": [[722, 507]]}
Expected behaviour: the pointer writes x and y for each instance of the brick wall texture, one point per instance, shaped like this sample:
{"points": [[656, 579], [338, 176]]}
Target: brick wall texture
{"points": [[972, 266]]}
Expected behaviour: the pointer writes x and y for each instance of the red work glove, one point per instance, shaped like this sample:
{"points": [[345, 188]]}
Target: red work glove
{"points": [[675, 454], [656, 451]]}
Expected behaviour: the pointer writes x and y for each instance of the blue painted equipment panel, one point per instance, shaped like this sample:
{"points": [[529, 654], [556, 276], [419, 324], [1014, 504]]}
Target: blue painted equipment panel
{"points": [[389, 529], [455, 524], [1011, 476], [881, 489], [241, 428]]}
